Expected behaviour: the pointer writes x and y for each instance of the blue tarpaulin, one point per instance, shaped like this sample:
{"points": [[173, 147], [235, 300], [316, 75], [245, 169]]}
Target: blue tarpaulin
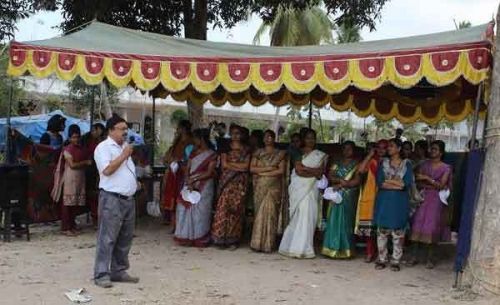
{"points": [[34, 126], [471, 191]]}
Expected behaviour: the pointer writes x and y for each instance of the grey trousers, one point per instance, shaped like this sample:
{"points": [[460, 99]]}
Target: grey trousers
{"points": [[114, 236]]}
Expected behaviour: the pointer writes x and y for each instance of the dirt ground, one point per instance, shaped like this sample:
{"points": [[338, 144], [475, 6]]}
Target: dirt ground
{"points": [[40, 271]]}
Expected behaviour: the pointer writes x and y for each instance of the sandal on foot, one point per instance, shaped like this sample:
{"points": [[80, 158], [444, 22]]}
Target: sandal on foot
{"points": [[430, 265], [369, 259], [395, 267], [380, 266], [412, 262]]}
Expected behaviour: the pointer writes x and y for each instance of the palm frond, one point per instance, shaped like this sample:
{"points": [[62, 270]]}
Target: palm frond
{"points": [[260, 32]]}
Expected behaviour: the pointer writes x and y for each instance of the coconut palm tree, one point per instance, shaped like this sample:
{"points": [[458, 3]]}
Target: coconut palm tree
{"points": [[348, 33], [297, 27], [293, 26]]}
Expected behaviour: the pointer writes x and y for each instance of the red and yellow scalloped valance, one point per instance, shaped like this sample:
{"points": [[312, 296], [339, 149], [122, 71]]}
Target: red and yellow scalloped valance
{"points": [[332, 76], [296, 77]]}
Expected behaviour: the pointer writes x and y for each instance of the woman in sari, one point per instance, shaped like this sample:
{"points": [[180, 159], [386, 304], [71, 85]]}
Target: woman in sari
{"points": [[69, 181], [175, 159], [420, 154], [90, 142], [193, 220], [433, 176], [298, 239], [364, 216], [232, 190], [268, 168], [392, 205], [338, 241]]}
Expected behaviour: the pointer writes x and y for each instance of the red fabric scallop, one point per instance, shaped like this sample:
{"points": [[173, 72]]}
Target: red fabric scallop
{"points": [[179, 70], [371, 68], [408, 65], [383, 106], [206, 71], [41, 58], [336, 70], [238, 72], [270, 72], [479, 58], [94, 65], [303, 71], [445, 61], [150, 69], [121, 67], [17, 57], [66, 62]]}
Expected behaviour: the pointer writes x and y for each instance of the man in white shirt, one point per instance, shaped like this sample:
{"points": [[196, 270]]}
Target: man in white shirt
{"points": [[117, 185]]}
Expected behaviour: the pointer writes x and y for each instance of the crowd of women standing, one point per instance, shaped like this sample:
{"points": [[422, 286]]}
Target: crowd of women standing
{"points": [[393, 193]]}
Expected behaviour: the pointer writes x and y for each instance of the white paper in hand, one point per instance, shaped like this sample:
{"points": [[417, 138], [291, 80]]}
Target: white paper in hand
{"points": [[192, 197], [322, 183], [444, 195], [174, 167], [332, 195]]}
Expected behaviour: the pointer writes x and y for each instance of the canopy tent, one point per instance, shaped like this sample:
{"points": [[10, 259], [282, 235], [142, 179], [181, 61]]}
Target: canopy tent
{"points": [[420, 78], [34, 126]]}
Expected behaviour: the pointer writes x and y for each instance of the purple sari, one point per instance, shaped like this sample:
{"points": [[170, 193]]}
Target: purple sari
{"points": [[429, 223]]}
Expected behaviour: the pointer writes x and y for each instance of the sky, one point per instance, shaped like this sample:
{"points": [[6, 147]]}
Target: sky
{"points": [[399, 18]]}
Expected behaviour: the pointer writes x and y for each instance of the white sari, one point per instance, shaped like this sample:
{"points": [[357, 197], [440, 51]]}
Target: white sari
{"points": [[298, 239]]}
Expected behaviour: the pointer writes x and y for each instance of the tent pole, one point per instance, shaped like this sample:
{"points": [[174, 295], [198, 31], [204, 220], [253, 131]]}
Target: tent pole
{"points": [[8, 135], [153, 131], [476, 116], [310, 114], [92, 104]]}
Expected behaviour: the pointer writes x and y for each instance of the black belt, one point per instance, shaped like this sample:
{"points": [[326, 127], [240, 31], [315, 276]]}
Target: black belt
{"points": [[123, 197]]}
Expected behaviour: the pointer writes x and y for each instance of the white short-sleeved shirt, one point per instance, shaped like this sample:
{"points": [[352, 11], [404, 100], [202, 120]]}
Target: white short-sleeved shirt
{"points": [[123, 181]]}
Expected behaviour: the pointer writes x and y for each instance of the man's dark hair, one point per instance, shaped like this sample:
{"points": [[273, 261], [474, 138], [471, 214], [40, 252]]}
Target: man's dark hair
{"points": [[113, 121]]}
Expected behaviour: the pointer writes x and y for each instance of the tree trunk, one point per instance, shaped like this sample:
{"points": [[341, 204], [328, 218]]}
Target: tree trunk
{"points": [[484, 261], [195, 27], [105, 101], [276, 121]]}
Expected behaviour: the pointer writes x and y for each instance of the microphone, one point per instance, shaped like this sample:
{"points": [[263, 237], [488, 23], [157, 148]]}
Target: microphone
{"points": [[131, 140]]}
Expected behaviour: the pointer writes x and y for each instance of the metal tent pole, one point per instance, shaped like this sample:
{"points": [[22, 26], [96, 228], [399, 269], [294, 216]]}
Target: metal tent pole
{"points": [[92, 105], [476, 116], [153, 131], [8, 135], [310, 114]]}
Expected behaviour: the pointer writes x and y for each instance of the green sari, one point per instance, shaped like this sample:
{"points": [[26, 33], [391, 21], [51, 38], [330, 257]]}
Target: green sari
{"points": [[338, 239]]}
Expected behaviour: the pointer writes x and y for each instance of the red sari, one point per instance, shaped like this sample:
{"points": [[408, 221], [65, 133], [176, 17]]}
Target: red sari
{"points": [[173, 181]]}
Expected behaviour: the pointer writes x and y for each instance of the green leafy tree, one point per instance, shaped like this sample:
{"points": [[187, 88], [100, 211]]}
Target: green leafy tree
{"points": [[11, 11], [5, 84], [177, 116], [348, 33], [82, 94]]}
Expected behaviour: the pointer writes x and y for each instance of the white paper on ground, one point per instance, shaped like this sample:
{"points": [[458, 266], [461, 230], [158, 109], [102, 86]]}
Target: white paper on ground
{"points": [[78, 296]]}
